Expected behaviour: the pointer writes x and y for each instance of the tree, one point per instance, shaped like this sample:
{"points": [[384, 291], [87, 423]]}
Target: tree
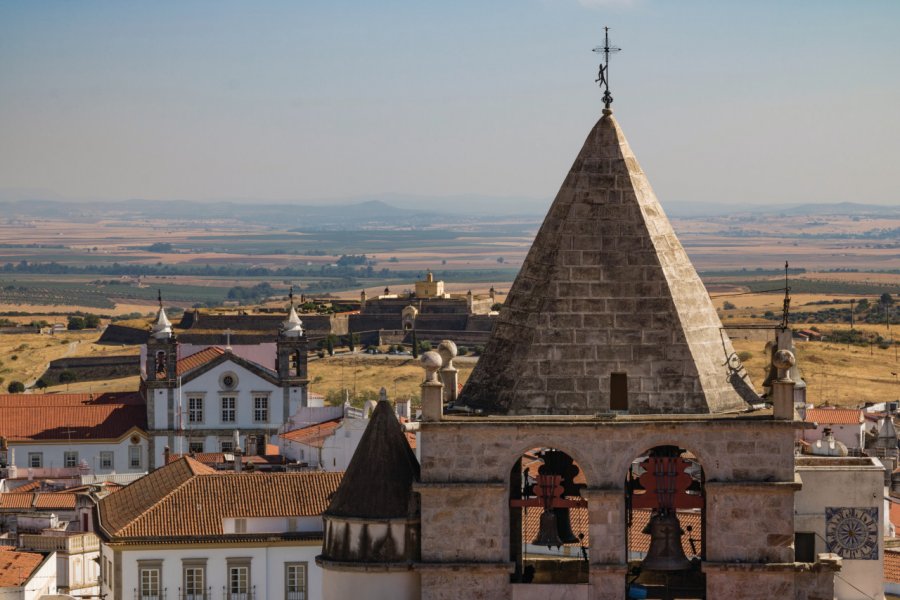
{"points": [[329, 345], [91, 321], [415, 345], [16, 387], [862, 305], [40, 384], [496, 306], [728, 305], [67, 376], [886, 299], [500, 260], [76, 323]]}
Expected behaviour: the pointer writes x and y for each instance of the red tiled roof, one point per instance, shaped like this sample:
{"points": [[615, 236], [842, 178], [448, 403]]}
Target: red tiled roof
{"points": [[834, 416], [314, 435], [70, 416], [198, 359], [895, 515], [186, 498], [891, 565], [37, 500], [215, 458], [16, 567]]}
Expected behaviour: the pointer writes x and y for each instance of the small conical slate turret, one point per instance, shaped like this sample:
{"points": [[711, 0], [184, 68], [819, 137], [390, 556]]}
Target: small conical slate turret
{"points": [[607, 310], [372, 525]]}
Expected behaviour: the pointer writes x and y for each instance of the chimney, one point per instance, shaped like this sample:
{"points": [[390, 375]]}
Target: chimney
{"points": [[261, 443], [166, 453], [783, 387], [432, 402]]}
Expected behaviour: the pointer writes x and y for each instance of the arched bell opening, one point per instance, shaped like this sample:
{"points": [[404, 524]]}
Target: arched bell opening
{"points": [[548, 519], [665, 514]]}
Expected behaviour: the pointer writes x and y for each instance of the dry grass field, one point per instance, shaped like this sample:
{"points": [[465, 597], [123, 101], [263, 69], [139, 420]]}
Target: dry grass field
{"points": [[364, 376]]}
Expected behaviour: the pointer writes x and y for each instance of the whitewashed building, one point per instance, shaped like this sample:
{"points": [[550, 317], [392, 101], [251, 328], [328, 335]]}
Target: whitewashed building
{"points": [[66, 435], [26, 575], [187, 531], [196, 402]]}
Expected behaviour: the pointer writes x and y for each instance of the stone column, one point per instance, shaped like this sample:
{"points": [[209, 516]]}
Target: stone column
{"points": [[608, 553], [432, 389], [449, 374]]}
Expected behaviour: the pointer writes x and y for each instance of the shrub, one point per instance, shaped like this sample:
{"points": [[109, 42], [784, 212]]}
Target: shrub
{"points": [[16, 387], [745, 355], [728, 305], [67, 376]]}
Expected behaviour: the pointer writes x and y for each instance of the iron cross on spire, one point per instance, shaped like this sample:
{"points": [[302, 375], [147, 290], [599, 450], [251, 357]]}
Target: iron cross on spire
{"points": [[159, 297], [603, 72], [291, 296]]}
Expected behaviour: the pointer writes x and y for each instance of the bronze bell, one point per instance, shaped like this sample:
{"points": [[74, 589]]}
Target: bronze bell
{"points": [[548, 534], [666, 552], [564, 526]]}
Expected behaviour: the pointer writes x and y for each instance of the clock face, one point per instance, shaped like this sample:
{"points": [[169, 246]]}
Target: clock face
{"points": [[852, 533]]}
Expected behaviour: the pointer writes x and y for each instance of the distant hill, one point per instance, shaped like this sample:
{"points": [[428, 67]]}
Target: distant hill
{"points": [[691, 210]]}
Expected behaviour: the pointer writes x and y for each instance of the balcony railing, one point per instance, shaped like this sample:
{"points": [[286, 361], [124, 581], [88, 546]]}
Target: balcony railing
{"points": [[139, 595], [195, 594], [229, 595], [295, 595]]}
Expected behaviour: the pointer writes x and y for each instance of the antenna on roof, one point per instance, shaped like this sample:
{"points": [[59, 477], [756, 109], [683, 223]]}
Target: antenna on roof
{"points": [[785, 311], [603, 72]]}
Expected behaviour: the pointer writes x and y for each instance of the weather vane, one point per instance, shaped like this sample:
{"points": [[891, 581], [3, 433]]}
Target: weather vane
{"points": [[603, 73]]}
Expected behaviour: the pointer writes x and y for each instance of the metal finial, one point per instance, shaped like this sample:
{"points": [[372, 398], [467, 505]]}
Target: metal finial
{"points": [[603, 72], [291, 296], [159, 296]]}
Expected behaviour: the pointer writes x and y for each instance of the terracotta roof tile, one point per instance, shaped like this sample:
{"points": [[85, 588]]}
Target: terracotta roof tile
{"points": [[314, 435], [216, 458], [198, 359], [16, 500], [70, 416], [37, 500], [891, 566], [186, 498], [834, 416], [16, 567]]}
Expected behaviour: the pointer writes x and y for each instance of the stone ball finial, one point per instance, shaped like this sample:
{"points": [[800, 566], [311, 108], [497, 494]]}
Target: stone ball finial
{"points": [[431, 362], [447, 350], [784, 360]]}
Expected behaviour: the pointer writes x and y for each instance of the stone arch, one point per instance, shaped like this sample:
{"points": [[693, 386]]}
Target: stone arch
{"points": [[546, 509], [511, 454], [643, 445], [665, 533]]}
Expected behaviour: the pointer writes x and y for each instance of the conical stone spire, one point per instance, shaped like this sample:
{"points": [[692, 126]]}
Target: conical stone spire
{"points": [[607, 288]]}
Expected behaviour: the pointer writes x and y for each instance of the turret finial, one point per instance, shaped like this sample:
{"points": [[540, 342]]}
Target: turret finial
{"points": [[603, 72]]}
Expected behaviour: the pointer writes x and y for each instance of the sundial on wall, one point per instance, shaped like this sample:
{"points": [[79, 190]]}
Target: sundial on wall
{"points": [[852, 533]]}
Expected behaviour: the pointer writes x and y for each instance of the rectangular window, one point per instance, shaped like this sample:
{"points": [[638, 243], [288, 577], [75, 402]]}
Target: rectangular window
{"points": [[150, 583], [134, 457], [228, 409], [195, 446], [295, 581], [261, 409], [618, 391], [239, 579], [804, 547], [226, 445], [106, 461], [240, 525], [70, 459], [35, 460], [195, 410], [194, 580]]}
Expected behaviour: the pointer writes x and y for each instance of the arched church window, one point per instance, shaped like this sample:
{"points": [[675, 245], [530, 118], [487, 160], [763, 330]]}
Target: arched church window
{"points": [[549, 539], [665, 524]]}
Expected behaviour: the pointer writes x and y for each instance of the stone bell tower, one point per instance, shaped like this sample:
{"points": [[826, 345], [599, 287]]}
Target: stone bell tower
{"points": [[162, 353], [291, 361]]}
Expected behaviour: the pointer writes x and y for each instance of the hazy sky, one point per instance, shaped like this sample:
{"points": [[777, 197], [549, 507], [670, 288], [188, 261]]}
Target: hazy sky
{"points": [[722, 101]]}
